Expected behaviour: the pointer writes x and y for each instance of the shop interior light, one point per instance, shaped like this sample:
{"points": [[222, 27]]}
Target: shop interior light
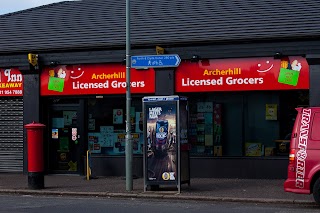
{"points": [[124, 61], [54, 63], [278, 55], [195, 58]]}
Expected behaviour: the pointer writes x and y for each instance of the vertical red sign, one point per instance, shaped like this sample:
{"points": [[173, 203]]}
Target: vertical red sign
{"points": [[11, 82]]}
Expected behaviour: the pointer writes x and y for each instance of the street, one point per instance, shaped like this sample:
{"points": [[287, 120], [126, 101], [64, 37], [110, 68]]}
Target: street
{"points": [[35, 204]]}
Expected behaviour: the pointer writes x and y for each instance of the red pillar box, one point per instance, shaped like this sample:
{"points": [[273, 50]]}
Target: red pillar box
{"points": [[35, 155]]}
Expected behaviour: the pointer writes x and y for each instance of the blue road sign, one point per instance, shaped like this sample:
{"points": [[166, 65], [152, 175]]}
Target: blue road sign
{"points": [[155, 61]]}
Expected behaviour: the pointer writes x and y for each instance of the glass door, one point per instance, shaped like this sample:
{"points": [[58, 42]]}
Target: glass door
{"points": [[64, 141]]}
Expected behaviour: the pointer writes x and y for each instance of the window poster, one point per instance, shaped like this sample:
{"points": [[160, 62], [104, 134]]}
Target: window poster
{"points": [[132, 118], [217, 121], [120, 143], [64, 144], [106, 129], [208, 129], [74, 132], [106, 139], [253, 149], [271, 112], [68, 117], [94, 142], [209, 140], [132, 112], [139, 122], [269, 151], [57, 122], [183, 123], [55, 134], [217, 151], [137, 141], [204, 106], [117, 116], [208, 118], [92, 124]]}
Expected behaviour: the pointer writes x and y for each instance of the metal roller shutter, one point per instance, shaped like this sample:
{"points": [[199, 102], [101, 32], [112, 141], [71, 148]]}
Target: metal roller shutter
{"points": [[11, 134]]}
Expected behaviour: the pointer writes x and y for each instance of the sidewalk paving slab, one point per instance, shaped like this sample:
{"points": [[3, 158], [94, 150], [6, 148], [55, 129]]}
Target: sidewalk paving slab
{"points": [[200, 189]]}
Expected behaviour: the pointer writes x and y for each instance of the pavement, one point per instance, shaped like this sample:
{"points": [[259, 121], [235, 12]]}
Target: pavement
{"points": [[200, 189]]}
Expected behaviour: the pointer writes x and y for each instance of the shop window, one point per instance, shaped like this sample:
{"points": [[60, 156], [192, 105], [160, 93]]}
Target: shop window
{"points": [[202, 128], [213, 131], [262, 124], [222, 124], [52, 101], [106, 126], [243, 124]]}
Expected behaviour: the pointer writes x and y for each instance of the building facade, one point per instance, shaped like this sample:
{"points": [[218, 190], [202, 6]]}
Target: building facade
{"points": [[242, 85]]}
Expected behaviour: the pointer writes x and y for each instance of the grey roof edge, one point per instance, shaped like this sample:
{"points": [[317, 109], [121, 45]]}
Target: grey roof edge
{"points": [[120, 46]]}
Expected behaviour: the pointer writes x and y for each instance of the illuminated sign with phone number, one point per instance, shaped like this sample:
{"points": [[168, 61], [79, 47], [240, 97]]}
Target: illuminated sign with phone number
{"points": [[11, 82]]}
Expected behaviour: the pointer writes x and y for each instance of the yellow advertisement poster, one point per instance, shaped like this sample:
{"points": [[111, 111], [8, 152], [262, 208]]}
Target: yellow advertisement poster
{"points": [[269, 151], [217, 151], [271, 112], [253, 149]]}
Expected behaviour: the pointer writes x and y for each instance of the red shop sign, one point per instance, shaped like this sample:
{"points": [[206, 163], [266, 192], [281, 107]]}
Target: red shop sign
{"points": [[11, 82], [94, 79], [243, 74]]}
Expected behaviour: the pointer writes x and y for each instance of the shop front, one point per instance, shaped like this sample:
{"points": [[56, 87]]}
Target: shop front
{"points": [[11, 120], [86, 107], [241, 113]]}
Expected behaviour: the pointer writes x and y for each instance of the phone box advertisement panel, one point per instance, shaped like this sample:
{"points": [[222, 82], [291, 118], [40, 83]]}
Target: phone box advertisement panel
{"points": [[161, 147], [166, 153], [94, 79], [243, 74], [11, 82]]}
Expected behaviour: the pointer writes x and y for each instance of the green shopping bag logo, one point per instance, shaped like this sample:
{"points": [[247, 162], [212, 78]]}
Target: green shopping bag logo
{"points": [[56, 84], [289, 77]]}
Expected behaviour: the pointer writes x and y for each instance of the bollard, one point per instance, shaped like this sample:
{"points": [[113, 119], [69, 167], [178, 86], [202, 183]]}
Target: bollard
{"points": [[88, 164], [35, 155]]}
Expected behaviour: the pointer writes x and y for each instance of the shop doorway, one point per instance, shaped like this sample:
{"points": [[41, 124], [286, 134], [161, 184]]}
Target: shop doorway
{"points": [[65, 139]]}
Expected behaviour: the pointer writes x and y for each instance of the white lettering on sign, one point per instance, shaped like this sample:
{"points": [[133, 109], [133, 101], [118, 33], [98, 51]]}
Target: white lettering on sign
{"points": [[113, 84], [12, 77], [220, 81], [154, 112], [240, 81], [172, 177], [302, 152]]}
